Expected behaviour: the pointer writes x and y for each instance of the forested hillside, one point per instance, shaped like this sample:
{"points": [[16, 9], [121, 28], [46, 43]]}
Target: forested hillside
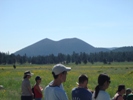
{"points": [[77, 58]]}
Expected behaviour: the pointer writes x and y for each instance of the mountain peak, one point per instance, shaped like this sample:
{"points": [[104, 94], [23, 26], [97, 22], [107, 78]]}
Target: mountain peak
{"points": [[46, 39], [64, 46]]}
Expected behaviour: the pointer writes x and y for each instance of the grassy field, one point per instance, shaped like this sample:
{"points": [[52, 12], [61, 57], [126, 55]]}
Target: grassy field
{"points": [[120, 73]]}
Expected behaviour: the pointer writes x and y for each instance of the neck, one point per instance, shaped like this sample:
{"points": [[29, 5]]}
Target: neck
{"points": [[56, 82], [27, 78], [81, 86], [37, 83], [120, 93], [102, 88]]}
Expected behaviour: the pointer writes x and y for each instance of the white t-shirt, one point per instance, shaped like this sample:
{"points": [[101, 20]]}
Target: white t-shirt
{"points": [[102, 95], [54, 93]]}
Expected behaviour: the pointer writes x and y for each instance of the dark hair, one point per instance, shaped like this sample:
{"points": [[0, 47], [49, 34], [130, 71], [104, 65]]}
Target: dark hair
{"points": [[102, 78], [25, 76], [120, 87], [56, 76], [82, 78], [128, 90], [37, 78]]}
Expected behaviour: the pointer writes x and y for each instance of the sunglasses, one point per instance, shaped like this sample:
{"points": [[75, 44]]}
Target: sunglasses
{"points": [[109, 81]]}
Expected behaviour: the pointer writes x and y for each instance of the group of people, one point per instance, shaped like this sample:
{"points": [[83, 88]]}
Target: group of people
{"points": [[55, 91], [28, 92]]}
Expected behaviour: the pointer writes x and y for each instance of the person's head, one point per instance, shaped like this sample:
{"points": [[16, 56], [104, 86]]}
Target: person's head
{"points": [[27, 74], [103, 80], [128, 91], [83, 80], [103, 83], [38, 79], [121, 89], [59, 71]]}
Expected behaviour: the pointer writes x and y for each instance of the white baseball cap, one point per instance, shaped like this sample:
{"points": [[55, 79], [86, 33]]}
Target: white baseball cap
{"points": [[59, 68]]}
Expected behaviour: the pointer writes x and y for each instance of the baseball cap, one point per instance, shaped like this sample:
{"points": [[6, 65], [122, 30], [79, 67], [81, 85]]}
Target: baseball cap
{"points": [[59, 68]]}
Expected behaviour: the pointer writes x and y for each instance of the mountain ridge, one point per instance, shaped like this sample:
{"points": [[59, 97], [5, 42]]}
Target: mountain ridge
{"points": [[65, 46]]}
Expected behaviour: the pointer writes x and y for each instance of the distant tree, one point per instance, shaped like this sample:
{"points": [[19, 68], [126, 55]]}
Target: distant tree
{"points": [[51, 59], [1, 58], [73, 57], [77, 58], [105, 61], [76, 63], [68, 59], [84, 58], [92, 62], [61, 57]]}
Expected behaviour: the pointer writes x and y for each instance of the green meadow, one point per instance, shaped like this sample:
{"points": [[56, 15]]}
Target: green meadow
{"points": [[120, 73]]}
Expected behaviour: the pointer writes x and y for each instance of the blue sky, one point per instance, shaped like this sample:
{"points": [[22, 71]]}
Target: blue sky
{"points": [[101, 23]]}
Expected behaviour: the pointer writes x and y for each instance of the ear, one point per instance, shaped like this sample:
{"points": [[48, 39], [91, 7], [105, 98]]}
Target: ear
{"points": [[105, 83], [60, 75]]}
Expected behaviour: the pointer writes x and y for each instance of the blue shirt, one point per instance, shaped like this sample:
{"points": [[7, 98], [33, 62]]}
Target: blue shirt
{"points": [[54, 93], [81, 94]]}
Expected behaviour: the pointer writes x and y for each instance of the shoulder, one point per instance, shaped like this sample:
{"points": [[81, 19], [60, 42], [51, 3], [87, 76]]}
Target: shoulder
{"points": [[86, 91], [61, 86], [54, 89], [130, 95], [119, 97], [47, 87], [26, 81], [55, 92], [58, 91], [51, 83], [81, 90], [75, 88], [104, 94]]}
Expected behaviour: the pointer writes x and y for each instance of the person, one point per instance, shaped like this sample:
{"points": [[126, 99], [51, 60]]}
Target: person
{"points": [[103, 84], [119, 93], [82, 92], [53, 91], [38, 89], [27, 93], [130, 94], [128, 91]]}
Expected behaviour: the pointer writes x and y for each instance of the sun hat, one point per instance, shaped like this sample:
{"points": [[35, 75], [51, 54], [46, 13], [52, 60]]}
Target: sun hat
{"points": [[59, 68], [28, 73]]}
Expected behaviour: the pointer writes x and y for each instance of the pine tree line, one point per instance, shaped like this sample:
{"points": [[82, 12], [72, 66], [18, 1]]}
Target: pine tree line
{"points": [[77, 58]]}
